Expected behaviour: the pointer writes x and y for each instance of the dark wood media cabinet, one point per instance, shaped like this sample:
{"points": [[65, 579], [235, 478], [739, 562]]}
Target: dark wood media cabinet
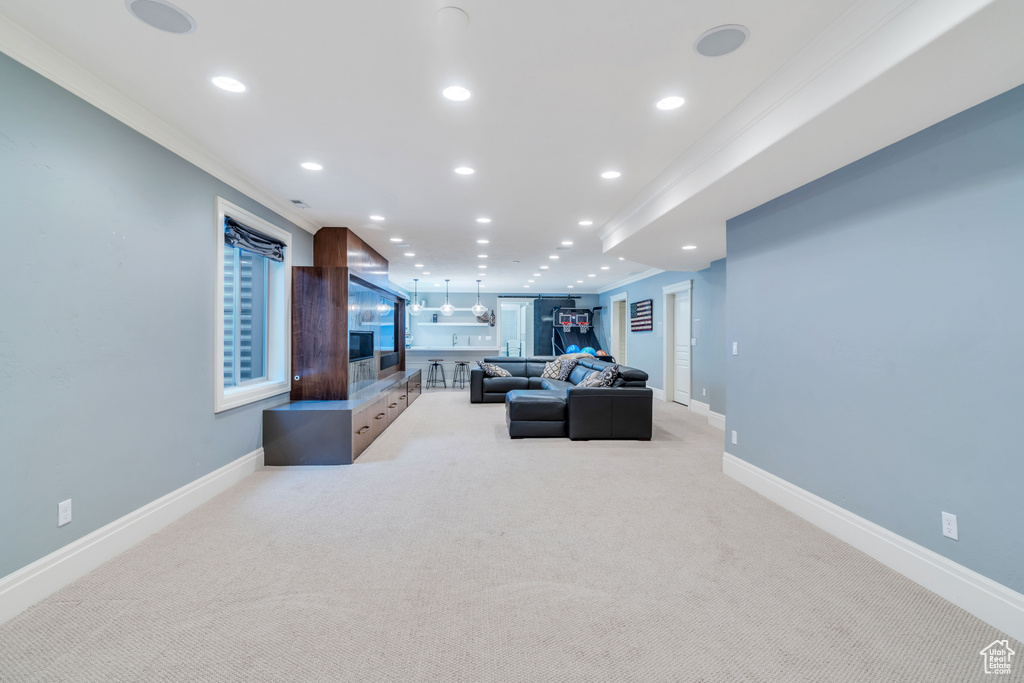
{"points": [[336, 432]]}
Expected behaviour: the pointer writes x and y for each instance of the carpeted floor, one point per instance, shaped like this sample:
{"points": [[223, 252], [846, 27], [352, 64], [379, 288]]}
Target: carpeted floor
{"points": [[451, 553]]}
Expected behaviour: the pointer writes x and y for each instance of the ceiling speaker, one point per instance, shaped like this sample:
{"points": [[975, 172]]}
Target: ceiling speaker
{"points": [[721, 40]]}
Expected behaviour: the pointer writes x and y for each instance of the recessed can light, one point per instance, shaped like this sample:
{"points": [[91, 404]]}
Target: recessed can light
{"points": [[544, 267], [483, 220], [526, 286], [690, 246], [162, 15], [419, 265], [481, 266], [531, 281], [483, 241], [396, 239], [586, 222], [553, 257], [670, 102], [622, 258], [536, 274], [567, 243], [228, 83], [409, 253], [464, 170], [456, 93], [571, 286], [605, 267], [312, 166], [481, 274], [579, 282], [426, 273], [481, 255], [610, 174], [591, 274], [376, 218]]}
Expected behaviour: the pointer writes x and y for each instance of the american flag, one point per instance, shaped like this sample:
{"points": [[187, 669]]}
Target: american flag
{"points": [[641, 316]]}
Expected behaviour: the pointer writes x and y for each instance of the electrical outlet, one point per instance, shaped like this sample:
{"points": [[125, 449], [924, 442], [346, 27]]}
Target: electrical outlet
{"points": [[949, 526], [735, 348], [705, 392], [734, 436], [64, 512]]}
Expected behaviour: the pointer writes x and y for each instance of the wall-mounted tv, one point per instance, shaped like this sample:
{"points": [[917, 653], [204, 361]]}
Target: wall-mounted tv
{"points": [[360, 346]]}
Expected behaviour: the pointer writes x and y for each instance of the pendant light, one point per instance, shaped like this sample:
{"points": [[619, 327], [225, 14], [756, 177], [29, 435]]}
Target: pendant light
{"points": [[415, 308], [447, 309], [479, 309]]}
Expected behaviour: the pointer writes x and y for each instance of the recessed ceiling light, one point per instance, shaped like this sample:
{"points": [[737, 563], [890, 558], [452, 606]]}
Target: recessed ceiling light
{"points": [[396, 239], [162, 15], [526, 286], [690, 246], [481, 255], [544, 267], [483, 220], [437, 284], [376, 218], [312, 166], [227, 83], [552, 257], [586, 222], [481, 274], [605, 267], [531, 281], [419, 265], [464, 170], [456, 93], [591, 275], [483, 241], [567, 243], [610, 174], [536, 274], [571, 286], [670, 102], [622, 258], [579, 282], [426, 273], [481, 266], [409, 253], [721, 40], [403, 245]]}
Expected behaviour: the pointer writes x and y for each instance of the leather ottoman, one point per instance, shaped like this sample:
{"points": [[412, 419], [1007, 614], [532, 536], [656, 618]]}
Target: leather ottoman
{"points": [[535, 413]]}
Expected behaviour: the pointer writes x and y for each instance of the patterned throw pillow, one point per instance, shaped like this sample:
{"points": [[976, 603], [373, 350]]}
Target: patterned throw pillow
{"points": [[605, 378], [492, 370], [567, 364], [552, 369]]}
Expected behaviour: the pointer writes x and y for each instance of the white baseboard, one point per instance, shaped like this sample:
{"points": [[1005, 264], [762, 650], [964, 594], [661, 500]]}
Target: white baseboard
{"points": [[716, 420], [44, 577], [991, 602], [658, 393]]}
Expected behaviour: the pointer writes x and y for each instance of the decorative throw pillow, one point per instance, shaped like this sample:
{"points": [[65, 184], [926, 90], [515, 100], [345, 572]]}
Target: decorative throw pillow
{"points": [[492, 370], [605, 378], [552, 369], [567, 364]]}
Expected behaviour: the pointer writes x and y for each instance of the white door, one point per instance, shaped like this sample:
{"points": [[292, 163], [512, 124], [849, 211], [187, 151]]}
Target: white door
{"points": [[619, 345], [681, 355]]}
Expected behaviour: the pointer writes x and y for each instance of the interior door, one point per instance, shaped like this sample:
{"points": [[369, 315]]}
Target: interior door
{"points": [[619, 345], [681, 341]]}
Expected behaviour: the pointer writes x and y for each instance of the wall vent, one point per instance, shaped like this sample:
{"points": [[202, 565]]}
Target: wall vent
{"points": [[300, 204]]}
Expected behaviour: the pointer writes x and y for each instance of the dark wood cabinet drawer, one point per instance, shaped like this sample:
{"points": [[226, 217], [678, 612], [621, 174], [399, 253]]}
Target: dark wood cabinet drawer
{"points": [[398, 400], [415, 387], [367, 424]]}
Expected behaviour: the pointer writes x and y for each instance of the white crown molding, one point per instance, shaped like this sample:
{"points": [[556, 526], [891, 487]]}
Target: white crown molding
{"points": [[866, 41], [631, 279], [44, 577], [54, 65], [986, 599]]}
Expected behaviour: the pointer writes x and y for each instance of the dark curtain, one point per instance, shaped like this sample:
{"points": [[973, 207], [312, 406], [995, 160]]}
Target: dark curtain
{"points": [[244, 237]]}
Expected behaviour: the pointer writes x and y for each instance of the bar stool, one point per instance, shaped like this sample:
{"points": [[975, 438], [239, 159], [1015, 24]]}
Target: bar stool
{"points": [[433, 369], [461, 374]]}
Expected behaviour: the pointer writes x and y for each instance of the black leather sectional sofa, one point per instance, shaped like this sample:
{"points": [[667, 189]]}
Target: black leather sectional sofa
{"points": [[536, 406]]}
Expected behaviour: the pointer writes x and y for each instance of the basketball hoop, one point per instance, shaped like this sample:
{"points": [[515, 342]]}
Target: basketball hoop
{"points": [[584, 327], [566, 326]]}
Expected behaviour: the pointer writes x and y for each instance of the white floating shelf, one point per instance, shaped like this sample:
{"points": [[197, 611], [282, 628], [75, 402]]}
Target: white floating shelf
{"points": [[456, 324]]}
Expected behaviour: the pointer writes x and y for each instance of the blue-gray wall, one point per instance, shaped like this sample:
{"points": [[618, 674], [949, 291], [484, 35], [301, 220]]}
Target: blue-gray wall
{"points": [[106, 319], [879, 318], [645, 350]]}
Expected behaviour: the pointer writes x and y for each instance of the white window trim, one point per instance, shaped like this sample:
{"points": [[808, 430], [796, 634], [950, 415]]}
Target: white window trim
{"points": [[279, 354]]}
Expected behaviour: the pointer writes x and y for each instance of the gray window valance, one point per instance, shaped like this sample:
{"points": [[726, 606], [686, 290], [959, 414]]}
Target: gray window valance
{"points": [[244, 237]]}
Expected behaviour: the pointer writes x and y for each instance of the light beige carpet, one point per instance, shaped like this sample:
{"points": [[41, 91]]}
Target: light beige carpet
{"points": [[451, 553]]}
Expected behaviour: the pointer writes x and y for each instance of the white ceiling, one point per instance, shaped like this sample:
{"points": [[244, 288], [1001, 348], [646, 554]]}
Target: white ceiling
{"points": [[561, 92]]}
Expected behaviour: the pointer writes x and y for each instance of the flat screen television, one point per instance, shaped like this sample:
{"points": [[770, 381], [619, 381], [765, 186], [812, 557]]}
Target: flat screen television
{"points": [[360, 346]]}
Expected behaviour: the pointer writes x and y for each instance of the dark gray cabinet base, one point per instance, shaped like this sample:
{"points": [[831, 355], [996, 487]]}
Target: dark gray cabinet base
{"points": [[335, 432]]}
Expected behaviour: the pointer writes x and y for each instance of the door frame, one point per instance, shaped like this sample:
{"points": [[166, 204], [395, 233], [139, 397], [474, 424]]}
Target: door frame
{"points": [[668, 300], [613, 338]]}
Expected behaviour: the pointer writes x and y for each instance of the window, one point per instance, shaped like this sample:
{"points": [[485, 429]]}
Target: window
{"points": [[252, 348]]}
